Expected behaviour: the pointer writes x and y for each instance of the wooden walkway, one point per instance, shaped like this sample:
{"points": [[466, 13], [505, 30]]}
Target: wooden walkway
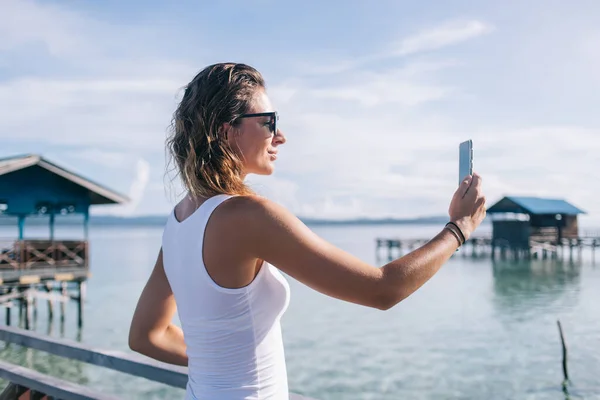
{"points": [[39, 385], [484, 246]]}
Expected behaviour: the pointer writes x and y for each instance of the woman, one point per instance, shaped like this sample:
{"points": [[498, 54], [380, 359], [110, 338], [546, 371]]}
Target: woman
{"points": [[221, 243]]}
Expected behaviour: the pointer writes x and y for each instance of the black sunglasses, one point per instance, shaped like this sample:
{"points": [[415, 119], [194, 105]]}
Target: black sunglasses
{"points": [[272, 122]]}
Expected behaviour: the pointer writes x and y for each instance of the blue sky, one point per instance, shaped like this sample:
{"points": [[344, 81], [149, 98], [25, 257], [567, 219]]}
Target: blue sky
{"points": [[374, 99]]}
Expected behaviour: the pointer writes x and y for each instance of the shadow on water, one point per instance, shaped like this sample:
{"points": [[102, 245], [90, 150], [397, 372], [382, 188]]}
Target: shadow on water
{"points": [[529, 290], [531, 285]]}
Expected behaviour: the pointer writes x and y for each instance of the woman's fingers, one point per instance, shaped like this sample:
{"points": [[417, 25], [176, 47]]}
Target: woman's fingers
{"points": [[464, 186]]}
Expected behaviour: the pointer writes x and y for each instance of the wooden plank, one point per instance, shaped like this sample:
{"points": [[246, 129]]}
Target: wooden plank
{"points": [[130, 364], [64, 277], [29, 279], [49, 385], [13, 275]]}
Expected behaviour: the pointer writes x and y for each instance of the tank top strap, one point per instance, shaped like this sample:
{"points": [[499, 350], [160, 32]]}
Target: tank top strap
{"points": [[201, 215], [206, 209]]}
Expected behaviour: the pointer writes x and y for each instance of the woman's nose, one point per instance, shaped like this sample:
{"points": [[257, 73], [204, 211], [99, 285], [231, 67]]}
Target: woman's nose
{"points": [[279, 138]]}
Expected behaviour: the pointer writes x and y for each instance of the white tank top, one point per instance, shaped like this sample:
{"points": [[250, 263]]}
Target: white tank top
{"points": [[233, 336]]}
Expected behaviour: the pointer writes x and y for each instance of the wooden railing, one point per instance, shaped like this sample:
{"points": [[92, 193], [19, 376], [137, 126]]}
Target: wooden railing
{"points": [[28, 254], [22, 378]]}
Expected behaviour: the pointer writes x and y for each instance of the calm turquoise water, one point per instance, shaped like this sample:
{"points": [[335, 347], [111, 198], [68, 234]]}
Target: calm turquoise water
{"points": [[478, 330]]}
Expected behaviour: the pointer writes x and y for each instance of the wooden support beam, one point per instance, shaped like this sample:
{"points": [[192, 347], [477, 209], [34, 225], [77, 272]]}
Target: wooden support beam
{"points": [[21, 226], [28, 310], [52, 217], [48, 288], [64, 292], [82, 287]]}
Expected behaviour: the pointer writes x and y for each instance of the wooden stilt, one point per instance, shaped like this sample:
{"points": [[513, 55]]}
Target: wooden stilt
{"points": [[34, 306], [571, 249], [50, 303], [28, 310], [21, 307], [63, 291], [80, 301]]}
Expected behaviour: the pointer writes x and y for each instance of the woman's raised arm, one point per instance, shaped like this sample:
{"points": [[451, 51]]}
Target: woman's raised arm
{"points": [[274, 234]]}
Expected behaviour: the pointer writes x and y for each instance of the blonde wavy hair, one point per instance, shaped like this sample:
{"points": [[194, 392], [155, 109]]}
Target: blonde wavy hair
{"points": [[218, 94]]}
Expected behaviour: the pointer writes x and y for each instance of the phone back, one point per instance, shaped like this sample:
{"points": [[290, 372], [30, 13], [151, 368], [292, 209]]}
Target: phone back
{"points": [[465, 160]]}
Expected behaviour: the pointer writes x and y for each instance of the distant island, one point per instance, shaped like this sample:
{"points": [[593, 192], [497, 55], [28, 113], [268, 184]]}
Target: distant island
{"points": [[159, 220]]}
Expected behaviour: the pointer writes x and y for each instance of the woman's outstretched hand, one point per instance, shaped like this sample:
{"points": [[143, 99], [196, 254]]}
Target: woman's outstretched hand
{"points": [[467, 208]]}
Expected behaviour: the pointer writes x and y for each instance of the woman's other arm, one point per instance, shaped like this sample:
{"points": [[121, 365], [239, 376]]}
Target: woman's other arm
{"points": [[152, 333]]}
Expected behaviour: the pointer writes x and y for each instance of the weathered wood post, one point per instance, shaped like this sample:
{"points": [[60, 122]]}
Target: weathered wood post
{"points": [[50, 302], [571, 245], [34, 306], [9, 308], [564, 352], [63, 291], [21, 306], [28, 309], [80, 301]]}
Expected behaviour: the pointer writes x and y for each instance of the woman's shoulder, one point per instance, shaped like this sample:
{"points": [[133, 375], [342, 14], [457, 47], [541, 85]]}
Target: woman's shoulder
{"points": [[249, 212], [250, 205]]}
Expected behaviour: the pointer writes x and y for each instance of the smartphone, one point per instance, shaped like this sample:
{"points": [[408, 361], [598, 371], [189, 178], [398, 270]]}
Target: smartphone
{"points": [[465, 160]]}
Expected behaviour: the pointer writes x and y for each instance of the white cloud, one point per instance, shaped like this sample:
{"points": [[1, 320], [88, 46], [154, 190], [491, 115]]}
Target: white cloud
{"points": [[351, 162], [108, 159], [375, 135], [441, 36], [136, 191], [383, 89], [120, 113], [26, 22], [113, 92], [434, 38]]}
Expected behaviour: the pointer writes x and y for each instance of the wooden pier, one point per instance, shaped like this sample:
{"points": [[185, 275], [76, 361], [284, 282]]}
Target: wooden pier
{"points": [[27, 382], [32, 187], [484, 246], [522, 228]]}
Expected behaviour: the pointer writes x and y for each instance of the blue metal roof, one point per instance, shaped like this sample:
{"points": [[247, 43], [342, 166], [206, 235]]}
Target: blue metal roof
{"points": [[534, 205]]}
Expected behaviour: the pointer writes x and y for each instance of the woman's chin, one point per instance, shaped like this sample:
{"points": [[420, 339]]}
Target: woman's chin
{"points": [[268, 171], [269, 168]]}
